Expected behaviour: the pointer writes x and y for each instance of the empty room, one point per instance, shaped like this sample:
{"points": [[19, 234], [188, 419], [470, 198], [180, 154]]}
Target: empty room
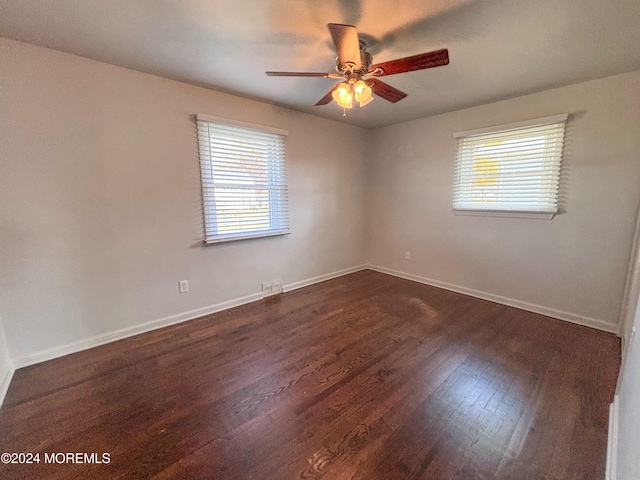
{"points": [[349, 239]]}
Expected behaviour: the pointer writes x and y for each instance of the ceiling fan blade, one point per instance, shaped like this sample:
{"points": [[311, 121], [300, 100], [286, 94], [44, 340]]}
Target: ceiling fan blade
{"points": [[436, 58], [385, 90], [303, 74], [327, 98], [345, 37]]}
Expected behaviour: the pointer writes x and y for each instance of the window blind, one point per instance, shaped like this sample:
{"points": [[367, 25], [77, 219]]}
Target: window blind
{"points": [[514, 168], [244, 181]]}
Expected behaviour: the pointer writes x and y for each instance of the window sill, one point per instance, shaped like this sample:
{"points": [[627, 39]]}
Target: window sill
{"points": [[237, 238], [506, 213]]}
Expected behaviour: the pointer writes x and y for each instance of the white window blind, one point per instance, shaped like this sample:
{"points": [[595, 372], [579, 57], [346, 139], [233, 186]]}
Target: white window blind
{"points": [[512, 169], [244, 181]]}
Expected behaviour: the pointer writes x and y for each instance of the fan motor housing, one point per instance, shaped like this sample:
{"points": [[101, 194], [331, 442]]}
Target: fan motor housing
{"points": [[365, 59]]}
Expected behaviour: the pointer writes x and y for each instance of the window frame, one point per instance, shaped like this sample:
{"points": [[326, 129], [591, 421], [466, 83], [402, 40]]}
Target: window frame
{"points": [[276, 205], [541, 213]]}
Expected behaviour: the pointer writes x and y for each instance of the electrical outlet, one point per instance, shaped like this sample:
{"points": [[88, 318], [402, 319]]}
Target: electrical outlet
{"points": [[271, 288], [183, 286], [407, 255]]}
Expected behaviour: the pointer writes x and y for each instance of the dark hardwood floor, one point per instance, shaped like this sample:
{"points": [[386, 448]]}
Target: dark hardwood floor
{"points": [[364, 377]]}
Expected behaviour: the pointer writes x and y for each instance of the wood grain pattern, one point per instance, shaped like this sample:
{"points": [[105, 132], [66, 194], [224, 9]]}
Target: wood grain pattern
{"points": [[385, 90], [363, 377], [437, 58]]}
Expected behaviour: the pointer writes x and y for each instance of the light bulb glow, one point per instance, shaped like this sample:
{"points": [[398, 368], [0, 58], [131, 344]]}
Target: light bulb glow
{"points": [[362, 92], [348, 102], [343, 95]]}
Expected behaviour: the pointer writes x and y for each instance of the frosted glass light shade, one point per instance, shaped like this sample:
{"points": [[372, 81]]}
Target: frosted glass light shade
{"points": [[343, 95], [362, 92], [367, 101]]}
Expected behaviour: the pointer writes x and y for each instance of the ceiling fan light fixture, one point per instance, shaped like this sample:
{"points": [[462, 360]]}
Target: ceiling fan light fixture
{"points": [[343, 95], [348, 103], [362, 93], [368, 100]]}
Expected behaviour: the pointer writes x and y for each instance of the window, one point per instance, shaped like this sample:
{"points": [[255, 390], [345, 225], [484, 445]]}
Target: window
{"points": [[512, 170], [244, 185]]}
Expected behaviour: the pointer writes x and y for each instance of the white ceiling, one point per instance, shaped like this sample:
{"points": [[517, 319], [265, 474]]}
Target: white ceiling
{"points": [[498, 48]]}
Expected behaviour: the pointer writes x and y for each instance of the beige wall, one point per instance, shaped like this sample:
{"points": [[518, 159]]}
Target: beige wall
{"points": [[100, 202], [573, 266]]}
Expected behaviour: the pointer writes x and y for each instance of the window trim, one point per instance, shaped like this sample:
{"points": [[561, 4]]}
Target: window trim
{"points": [[515, 213], [235, 237], [504, 213], [237, 123], [536, 122]]}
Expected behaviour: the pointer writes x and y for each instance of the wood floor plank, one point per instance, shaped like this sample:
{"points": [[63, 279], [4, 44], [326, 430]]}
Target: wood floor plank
{"points": [[365, 376]]}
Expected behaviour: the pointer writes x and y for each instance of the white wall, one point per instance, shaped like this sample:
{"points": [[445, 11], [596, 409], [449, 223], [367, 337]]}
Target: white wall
{"points": [[6, 366], [628, 392], [100, 203], [573, 266]]}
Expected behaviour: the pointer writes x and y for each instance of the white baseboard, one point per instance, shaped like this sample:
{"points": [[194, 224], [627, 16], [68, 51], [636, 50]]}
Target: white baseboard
{"points": [[322, 278], [5, 381], [530, 307], [86, 343], [612, 443]]}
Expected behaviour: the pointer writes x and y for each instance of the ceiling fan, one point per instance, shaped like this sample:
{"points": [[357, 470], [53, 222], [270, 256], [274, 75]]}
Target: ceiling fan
{"points": [[354, 65]]}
